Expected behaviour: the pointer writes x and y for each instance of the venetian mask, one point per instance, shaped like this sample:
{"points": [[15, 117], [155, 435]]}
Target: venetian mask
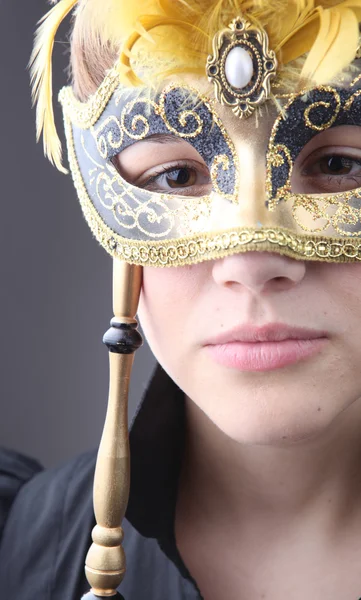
{"points": [[289, 216]]}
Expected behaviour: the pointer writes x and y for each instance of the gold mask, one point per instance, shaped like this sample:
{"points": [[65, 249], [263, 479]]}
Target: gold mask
{"points": [[145, 227], [151, 228]]}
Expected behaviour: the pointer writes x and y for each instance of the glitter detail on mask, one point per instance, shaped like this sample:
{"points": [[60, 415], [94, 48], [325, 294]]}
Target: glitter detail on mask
{"points": [[130, 117], [305, 115], [149, 228]]}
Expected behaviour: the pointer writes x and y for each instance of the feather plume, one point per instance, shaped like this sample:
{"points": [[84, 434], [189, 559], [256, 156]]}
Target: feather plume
{"points": [[314, 41], [335, 44], [325, 29], [144, 25], [330, 36], [41, 79]]}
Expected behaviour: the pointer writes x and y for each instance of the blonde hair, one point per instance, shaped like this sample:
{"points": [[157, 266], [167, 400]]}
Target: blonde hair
{"points": [[152, 39]]}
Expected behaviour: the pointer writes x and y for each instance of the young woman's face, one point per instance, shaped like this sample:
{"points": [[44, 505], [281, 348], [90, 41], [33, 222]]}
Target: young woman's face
{"points": [[267, 346]]}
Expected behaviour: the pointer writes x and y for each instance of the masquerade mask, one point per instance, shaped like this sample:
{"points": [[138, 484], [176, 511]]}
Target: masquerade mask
{"points": [[146, 227]]}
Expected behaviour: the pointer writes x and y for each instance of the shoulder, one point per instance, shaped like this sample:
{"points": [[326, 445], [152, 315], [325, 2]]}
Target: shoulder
{"points": [[15, 470], [48, 531]]}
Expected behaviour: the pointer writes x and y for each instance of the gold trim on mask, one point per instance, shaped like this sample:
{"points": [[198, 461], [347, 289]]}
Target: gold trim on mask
{"points": [[334, 208], [86, 114], [148, 215]]}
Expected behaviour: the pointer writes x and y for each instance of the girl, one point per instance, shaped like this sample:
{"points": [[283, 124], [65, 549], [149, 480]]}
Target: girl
{"points": [[220, 140]]}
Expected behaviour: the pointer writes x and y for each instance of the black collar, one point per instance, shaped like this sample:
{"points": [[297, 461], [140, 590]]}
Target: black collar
{"points": [[156, 450]]}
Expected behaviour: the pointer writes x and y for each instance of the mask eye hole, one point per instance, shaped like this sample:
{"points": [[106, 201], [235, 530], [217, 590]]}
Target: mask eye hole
{"points": [[330, 163], [165, 164]]}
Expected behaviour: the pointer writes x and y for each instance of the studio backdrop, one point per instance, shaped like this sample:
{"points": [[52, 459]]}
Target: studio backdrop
{"points": [[55, 299]]}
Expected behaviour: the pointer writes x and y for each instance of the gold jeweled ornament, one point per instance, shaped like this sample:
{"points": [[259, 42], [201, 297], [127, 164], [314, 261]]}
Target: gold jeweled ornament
{"points": [[241, 66]]}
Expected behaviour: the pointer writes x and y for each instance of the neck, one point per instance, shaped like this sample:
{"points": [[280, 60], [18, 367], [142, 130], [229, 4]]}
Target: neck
{"points": [[320, 476]]}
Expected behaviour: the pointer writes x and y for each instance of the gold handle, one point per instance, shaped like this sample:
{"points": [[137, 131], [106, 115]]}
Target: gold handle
{"points": [[105, 562]]}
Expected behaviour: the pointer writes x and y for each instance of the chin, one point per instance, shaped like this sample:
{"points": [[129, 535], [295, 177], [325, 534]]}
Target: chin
{"points": [[265, 432], [274, 435], [276, 415], [293, 405]]}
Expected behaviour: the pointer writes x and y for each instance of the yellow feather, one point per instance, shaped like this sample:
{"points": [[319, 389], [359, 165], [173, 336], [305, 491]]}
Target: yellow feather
{"points": [[157, 37], [299, 41], [335, 46], [41, 80], [355, 6], [185, 8], [145, 24], [297, 13]]}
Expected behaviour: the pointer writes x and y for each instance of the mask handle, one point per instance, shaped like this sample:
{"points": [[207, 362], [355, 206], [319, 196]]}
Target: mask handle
{"points": [[105, 562]]}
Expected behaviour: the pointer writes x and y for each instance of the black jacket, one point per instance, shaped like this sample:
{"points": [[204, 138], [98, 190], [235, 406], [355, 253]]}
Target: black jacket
{"points": [[46, 517]]}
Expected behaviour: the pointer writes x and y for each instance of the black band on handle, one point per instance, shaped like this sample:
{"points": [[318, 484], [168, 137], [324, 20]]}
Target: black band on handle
{"points": [[122, 338]]}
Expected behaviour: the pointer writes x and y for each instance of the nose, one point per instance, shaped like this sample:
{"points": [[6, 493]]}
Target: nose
{"points": [[258, 272]]}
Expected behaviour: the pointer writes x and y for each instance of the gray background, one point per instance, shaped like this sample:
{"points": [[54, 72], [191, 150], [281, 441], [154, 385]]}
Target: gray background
{"points": [[55, 281]]}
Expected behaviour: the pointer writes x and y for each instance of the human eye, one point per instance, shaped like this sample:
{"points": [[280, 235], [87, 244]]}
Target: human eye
{"points": [[333, 170], [184, 177], [163, 164], [328, 166]]}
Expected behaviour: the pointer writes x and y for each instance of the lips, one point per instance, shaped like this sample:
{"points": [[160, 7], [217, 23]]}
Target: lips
{"points": [[273, 332], [265, 348]]}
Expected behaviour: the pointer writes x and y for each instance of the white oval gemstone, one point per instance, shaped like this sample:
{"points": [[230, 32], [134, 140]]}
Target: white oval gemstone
{"points": [[238, 67]]}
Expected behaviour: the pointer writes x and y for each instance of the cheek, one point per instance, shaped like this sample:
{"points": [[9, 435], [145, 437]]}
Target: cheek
{"points": [[167, 300], [343, 286], [337, 305], [334, 298]]}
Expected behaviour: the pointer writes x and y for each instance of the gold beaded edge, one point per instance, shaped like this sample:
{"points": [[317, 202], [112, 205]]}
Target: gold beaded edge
{"points": [[86, 114]]}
